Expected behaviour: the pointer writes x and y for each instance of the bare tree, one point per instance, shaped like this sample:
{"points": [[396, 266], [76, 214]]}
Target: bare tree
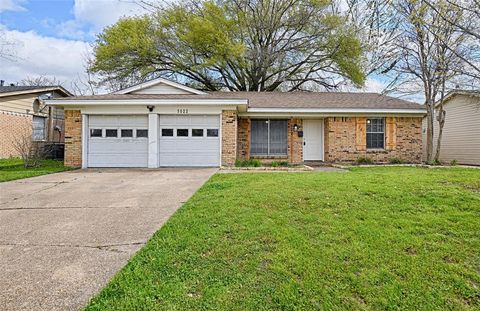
{"points": [[22, 141], [41, 80], [428, 58]]}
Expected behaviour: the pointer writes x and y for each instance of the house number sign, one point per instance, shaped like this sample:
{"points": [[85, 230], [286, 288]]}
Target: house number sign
{"points": [[182, 111]]}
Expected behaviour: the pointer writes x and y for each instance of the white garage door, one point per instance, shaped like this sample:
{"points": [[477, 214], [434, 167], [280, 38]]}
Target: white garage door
{"points": [[118, 141], [187, 140]]}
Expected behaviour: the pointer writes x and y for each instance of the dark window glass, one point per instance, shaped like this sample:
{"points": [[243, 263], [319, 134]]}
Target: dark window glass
{"points": [[269, 137], [197, 132], [182, 132], [126, 133], [142, 133], [375, 133], [167, 132], [111, 133], [212, 132], [95, 132]]}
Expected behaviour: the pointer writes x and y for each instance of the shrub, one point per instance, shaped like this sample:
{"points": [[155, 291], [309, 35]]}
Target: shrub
{"points": [[364, 160], [274, 164], [436, 162], [396, 161], [453, 162], [248, 163]]}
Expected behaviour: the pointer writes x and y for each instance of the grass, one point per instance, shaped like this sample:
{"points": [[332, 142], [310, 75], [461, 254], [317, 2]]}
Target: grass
{"points": [[11, 169], [386, 238]]}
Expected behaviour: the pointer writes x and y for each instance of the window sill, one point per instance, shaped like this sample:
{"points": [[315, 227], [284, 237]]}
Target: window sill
{"points": [[269, 156], [377, 150]]}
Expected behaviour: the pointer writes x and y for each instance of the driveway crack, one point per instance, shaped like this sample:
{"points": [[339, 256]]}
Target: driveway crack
{"points": [[55, 184]]}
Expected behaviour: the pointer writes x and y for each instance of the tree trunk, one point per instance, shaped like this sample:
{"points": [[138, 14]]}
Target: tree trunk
{"points": [[441, 123], [430, 110]]}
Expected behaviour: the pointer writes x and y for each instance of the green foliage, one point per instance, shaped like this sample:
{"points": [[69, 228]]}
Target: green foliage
{"points": [[364, 160], [279, 163], [395, 160], [219, 45], [248, 163], [382, 238], [12, 169], [454, 162]]}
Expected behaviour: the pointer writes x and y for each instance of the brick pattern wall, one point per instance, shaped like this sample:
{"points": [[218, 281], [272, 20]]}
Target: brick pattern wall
{"points": [[295, 143], [12, 127], [229, 137], [345, 140], [73, 138], [243, 139]]}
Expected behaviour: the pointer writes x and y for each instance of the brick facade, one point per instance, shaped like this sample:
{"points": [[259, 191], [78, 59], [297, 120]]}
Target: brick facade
{"points": [[13, 126], [295, 143], [345, 140], [73, 138], [243, 139], [229, 137]]}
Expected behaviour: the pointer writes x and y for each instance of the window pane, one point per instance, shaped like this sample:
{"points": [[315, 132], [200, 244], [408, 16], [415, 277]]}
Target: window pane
{"points": [[167, 132], [95, 132], [127, 133], [375, 133], [212, 132], [278, 137], [197, 132], [111, 133], [259, 137], [142, 133], [38, 128], [182, 132]]}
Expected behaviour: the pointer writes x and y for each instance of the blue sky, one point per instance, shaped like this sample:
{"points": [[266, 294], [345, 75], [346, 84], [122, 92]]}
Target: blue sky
{"points": [[53, 37]]}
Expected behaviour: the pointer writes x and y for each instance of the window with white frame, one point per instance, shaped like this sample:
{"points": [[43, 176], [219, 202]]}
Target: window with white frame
{"points": [[39, 128], [269, 137], [375, 133]]}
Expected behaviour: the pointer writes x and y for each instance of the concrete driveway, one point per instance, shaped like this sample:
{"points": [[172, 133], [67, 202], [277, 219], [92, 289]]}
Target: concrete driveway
{"points": [[63, 236]]}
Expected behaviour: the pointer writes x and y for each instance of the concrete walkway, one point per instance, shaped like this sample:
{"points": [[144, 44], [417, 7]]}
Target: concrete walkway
{"points": [[63, 236]]}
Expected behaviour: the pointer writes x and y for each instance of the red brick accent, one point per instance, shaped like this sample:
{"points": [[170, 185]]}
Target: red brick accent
{"points": [[344, 137], [229, 137], [73, 138], [12, 126]]}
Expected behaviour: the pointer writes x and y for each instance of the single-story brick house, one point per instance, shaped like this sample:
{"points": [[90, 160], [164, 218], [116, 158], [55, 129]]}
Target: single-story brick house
{"points": [[163, 123], [23, 114]]}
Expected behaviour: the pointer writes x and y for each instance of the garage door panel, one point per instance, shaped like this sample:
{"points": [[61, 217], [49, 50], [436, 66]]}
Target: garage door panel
{"points": [[118, 152], [190, 151]]}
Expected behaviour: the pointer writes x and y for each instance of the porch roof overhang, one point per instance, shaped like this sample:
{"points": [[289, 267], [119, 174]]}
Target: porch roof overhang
{"points": [[329, 112]]}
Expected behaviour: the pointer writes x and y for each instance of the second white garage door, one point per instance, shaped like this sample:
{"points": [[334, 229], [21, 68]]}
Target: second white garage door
{"points": [[188, 140]]}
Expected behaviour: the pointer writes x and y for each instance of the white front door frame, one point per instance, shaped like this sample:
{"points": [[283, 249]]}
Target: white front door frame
{"points": [[313, 131]]}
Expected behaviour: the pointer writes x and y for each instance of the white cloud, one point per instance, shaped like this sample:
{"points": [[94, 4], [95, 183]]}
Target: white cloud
{"points": [[104, 12], [39, 55], [374, 85], [12, 5]]}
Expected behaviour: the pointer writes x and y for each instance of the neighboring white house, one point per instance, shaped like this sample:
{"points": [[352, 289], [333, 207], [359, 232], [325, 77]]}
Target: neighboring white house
{"points": [[461, 132]]}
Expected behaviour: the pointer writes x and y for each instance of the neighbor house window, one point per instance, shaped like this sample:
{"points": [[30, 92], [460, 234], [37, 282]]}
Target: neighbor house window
{"points": [[269, 137], [375, 133], [39, 128]]}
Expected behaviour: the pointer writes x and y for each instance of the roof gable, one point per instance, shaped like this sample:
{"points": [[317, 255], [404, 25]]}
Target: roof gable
{"points": [[12, 90], [160, 86]]}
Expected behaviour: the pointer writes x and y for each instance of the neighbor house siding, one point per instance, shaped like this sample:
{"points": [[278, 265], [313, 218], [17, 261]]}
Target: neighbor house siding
{"points": [[345, 140], [461, 132], [73, 138]]}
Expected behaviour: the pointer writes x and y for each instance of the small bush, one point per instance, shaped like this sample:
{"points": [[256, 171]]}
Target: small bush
{"points": [[248, 163], [364, 160], [453, 162], [395, 161], [436, 162], [274, 164], [279, 163]]}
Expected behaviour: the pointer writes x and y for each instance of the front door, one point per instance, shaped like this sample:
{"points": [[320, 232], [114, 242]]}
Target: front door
{"points": [[313, 140]]}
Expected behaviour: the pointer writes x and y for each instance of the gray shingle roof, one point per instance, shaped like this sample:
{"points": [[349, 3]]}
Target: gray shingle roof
{"points": [[282, 99], [21, 88]]}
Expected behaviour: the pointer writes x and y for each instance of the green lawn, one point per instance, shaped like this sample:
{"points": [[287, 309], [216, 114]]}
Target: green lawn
{"points": [[373, 238], [11, 169]]}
